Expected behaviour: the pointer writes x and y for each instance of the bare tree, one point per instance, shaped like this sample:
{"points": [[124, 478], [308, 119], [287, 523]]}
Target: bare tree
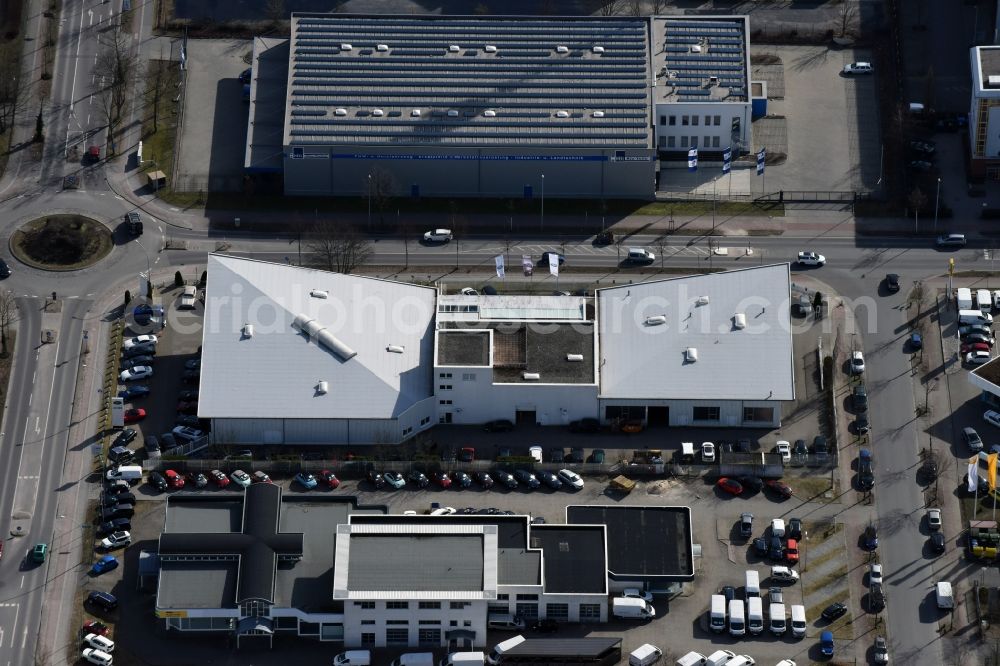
{"points": [[13, 94], [610, 7], [115, 66], [634, 7], [8, 315], [383, 188], [848, 17], [656, 7], [661, 249], [338, 248], [276, 11], [158, 83]]}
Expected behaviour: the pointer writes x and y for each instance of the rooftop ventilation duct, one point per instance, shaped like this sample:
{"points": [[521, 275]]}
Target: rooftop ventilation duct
{"points": [[562, 114], [531, 376], [691, 354], [319, 293], [415, 113], [598, 114], [247, 330], [562, 49], [490, 113], [489, 48], [319, 334], [454, 48], [346, 47], [340, 112], [382, 47], [395, 349], [739, 320], [378, 113], [575, 358], [598, 49], [702, 300], [656, 320], [322, 387]]}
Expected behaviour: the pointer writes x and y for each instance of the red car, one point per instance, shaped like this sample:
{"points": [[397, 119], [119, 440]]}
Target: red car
{"points": [[187, 407], [219, 478], [731, 486], [260, 477], [94, 627], [779, 487], [174, 479], [441, 479], [94, 153], [974, 347], [467, 454], [792, 551], [329, 478], [134, 415]]}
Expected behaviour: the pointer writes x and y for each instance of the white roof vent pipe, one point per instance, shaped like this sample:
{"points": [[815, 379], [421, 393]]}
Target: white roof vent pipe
{"points": [[395, 349], [346, 47], [490, 113], [656, 320], [562, 114], [319, 293], [598, 49], [454, 48], [562, 49], [702, 300], [489, 48], [382, 47], [531, 376], [247, 331], [574, 358], [691, 354], [739, 320], [322, 387]]}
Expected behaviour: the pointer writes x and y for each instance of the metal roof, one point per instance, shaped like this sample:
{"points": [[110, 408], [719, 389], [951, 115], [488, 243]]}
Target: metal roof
{"points": [[468, 81], [701, 59], [643, 360], [274, 369]]}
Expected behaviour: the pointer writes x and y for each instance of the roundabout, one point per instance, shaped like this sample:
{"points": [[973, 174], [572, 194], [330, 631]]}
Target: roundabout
{"points": [[61, 242]]}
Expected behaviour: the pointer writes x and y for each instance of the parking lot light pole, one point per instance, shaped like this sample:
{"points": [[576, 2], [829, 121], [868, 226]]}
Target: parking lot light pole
{"points": [[149, 272], [369, 201], [542, 228], [937, 197]]}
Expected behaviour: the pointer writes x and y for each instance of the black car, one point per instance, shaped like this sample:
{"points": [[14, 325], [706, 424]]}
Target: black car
{"points": [[775, 550], [117, 511], [833, 611], [189, 420], [461, 479], [751, 484], [119, 455], [604, 238], [546, 626], [158, 481], [892, 282], [859, 397], [760, 546], [483, 479], [866, 471], [979, 337], [118, 486], [527, 478], [869, 538], [139, 351], [861, 423], [557, 455], [549, 479], [500, 425], [114, 525], [4, 269], [746, 525], [820, 445], [585, 425], [191, 376], [929, 469], [103, 600], [375, 479], [729, 592], [417, 478], [793, 530], [800, 448], [937, 542], [544, 261], [876, 597], [110, 498], [966, 331], [505, 478], [125, 436], [743, 445], [972, 439], [190, 395], [245, 75], [576, 455]]}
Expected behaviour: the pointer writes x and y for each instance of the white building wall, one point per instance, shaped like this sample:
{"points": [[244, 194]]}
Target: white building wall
{"points": [[572, 601], [713, 136], [421, 416], [474, 398], [358, 621], [682, 411], [247, 431]]}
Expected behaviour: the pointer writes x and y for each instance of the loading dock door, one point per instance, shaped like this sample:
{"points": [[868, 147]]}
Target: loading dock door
{"points": [[526, 417], [658, 416]]}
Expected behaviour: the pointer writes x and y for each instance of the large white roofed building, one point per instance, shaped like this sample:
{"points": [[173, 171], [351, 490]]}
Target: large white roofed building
{"points": [[300, 356]]}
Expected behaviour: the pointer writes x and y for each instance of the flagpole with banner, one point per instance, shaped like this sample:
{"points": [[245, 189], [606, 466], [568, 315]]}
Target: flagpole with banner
{"points": [[973, 477], [991, 477], [554, 266], [500, 266], [693, 160], [727, 166], [761, 156]]}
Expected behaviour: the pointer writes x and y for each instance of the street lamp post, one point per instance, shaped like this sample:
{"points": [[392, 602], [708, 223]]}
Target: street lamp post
{"points": [[542, 227], [937, 197], [714, 199], [149, 270], [369, 201]]}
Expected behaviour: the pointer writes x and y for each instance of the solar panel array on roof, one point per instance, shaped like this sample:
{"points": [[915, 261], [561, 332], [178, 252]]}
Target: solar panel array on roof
{"points": [[706, 60], [502, 81]]}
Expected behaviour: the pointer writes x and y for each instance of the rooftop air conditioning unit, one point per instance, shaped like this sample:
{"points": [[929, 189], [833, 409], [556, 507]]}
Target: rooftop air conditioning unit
{"points": [[531, 376], [739, 320], [696, 48], [562, 114], [994, 80], [713, 79], [382, 47], [452, 113], [489, 48], [395, 349], [378, 113], [575, 358], [598, 49], [322, 387], [340, 112], [702, 300], [656, 320], [562, 49], [415, 113], [598, 114], [691, 354], [490, 113], [319, 293], [454, 48], [346, 47], [247, 330]]}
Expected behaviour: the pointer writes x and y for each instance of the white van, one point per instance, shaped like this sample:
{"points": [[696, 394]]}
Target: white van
{"points": [[778, 621], [755, 615], [630, 608], [414, 659], [464, 659], [505, 622], [984, 301], [798, 620], [719, 658], [741, 660], [353, 658], [640, 255], [966, 317], [737, 621], [963, 297], [717, 617], [692, 659], [130, 473], [687, 452], [752, 587], [502, 648], [644, 655]]}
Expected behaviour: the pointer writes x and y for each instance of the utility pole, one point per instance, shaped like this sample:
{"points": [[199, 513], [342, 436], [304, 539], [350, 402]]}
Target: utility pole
{"points": [[937, 198], [542, 226]]}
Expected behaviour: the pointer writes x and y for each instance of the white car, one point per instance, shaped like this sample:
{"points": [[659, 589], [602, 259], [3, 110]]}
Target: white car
{"points": [[875, 574], [570, 478], [811, 259], [240, 478], [777, 527], [784, 573], [100, 642], [138, 372], [139, 340], [115, 540], [535, 452], [438, 236], [708, 452], [857, 363], [992, 417], [934, 519], [977, 358], [785, 450], [444, 511], [469, 291], [858, 68], [188, 298], [636, 593], [95, 656]]}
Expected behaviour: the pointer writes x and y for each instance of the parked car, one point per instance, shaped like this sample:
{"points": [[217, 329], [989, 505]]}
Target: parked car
{"points": [[876, 597], [596, 456], [869, 537], [557, 455], [866, 470], [636, 593], [549, 479], [527, 478], [937, 542], [792, 551], [992, 417], [833, 611], [775, 549], [483, 479], [760, 546], [260, 477], [394, 479], [187, 433], [138, 372], [916, 341], [133, 392], [188, 298], [174, 480], [114, 525], [136, 360], [973, 347], [102, 600], [219, 478], [306, 480], [783, 574], [857, 363], [329, 478], [746, 524], [926, 147], [875, 573], [375, 479], [731, 486], [861, 423], [972, 439], [467, 454], [708, 452], [544, 261], [418, 478], [240, 478], [779, 488], [934, 519], [859, 398], [94, 627], [158, 481], [139, 340], [505, 478], [858, 68], [826, 643], [570, 478], [441, 480], [794, 528], [191, 376], [103, 565], [784, 449], [461, 479], [892, 282], [880, 650]]}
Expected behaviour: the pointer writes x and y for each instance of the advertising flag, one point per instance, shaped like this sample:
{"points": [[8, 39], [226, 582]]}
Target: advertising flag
{"points": [[554, 264], [727, 160], [500, 267], [526, 265], [693, 159], [991, 470], [760, 161], [973, 473]]}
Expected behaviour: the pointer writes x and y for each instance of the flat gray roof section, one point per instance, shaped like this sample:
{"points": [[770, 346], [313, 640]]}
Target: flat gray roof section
{"points": [[465, 349], [268, 90], [209, 515], [543, 348], [307, 585], [468, 81], [197, 585], [425, 562], [643, 542], [989, 64], [512, 531], [574, 558], [701, 59], [518, 566]]}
